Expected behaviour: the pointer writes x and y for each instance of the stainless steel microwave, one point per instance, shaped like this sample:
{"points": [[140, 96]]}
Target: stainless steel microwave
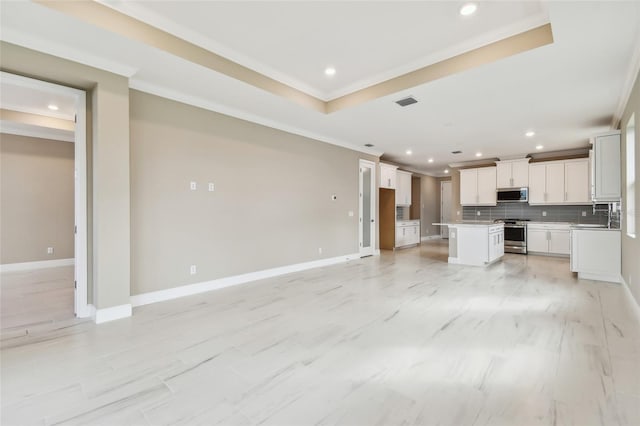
{"points": [[512, 195]]}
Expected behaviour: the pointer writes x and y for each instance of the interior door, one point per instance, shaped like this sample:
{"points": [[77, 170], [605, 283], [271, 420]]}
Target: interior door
{"points": [[445, 207], [367, 208]]}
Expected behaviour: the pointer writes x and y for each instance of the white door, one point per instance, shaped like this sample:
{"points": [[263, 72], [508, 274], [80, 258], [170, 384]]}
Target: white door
{"points": [[367, 208], [445, 207]]}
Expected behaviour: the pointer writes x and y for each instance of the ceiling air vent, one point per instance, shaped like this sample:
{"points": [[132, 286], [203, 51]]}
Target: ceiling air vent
{"points": [[407, 101], [456, 152]]}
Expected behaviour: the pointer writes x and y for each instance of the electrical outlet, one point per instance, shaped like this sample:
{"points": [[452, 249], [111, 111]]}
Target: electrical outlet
{"points": [[49, 250], [584, 214], [350, 213], [319, 250], [478, 213], [544, 213], [212, 187], [193, 270], [193, 186]]}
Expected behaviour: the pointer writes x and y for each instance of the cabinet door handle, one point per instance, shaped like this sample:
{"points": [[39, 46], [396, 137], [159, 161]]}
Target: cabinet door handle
{"points": [[566, 197]]}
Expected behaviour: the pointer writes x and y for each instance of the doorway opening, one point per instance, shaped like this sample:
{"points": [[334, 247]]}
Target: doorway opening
{"points": [[445, 207], [48, 123]]}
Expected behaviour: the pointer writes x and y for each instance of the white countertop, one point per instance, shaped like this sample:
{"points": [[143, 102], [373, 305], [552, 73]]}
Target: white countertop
{"points": [[469, 223]]}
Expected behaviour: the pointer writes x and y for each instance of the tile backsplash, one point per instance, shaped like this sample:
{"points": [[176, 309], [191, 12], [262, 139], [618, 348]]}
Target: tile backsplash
{"points": [[573, 214]]}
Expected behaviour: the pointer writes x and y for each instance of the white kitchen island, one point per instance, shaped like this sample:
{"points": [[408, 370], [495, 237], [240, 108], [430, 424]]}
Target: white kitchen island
{"points": [[475, 243]]}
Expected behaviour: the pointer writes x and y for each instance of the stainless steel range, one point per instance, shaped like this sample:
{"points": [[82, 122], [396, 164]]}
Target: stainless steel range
{"points": [[515, 235]]}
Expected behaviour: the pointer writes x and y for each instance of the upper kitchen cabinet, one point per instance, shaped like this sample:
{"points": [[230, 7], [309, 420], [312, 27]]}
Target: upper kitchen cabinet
{"points": [[478, 187], [576, 182], [403, 188], [606, 167], [546, 183], [512, 173], [559, 182], [388, 176]]}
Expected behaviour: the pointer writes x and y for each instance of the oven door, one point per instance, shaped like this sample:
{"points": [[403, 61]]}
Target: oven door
{"points": [[515, 239]]}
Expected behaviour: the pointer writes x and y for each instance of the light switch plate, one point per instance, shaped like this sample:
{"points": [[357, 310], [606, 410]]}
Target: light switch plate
{"points": [[193, 186], [212, 187]]}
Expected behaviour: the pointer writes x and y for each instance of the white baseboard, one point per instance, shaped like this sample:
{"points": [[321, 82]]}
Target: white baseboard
{"points": [[110, 314], [28, 266], [191, 289], [633, 304], [431, 237]]}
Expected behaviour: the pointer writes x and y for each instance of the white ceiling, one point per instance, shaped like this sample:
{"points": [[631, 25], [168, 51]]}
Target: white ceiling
{"points": [[367, 42], [17, 97], [566, 91]]}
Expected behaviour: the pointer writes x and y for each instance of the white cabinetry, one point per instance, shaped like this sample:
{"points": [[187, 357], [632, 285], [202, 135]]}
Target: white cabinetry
{"points": [[407, 233], [548, 238], [606, 168], [471, 244], [388, 176], [403, 188], [559, 182], [576, 181], [496, 243], [478, 187], [512, 173], [596, 254]]}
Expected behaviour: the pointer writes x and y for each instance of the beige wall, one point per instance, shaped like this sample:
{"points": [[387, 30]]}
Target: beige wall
{"points": [[108, 141], [271, 206], [430, 205], [36, 205], [456, 208], [631, 246]]}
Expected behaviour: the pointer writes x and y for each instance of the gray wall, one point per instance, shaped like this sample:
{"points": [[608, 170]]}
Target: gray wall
{"points": [[631, 246], [271, 206], [572, 214], [37, 199]]}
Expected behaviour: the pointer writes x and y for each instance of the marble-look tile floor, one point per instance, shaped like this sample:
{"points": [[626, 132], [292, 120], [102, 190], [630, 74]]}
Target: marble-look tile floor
{"points": [[399, 339], [35, 299]]}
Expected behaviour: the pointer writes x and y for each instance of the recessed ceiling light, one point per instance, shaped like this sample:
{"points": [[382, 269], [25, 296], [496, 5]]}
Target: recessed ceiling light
{"points": [[430, 160], [530, 134], [478, 154], [409, 152], [330, 71], [468, 9], [53, 107], [446, 170], [539, 147]]}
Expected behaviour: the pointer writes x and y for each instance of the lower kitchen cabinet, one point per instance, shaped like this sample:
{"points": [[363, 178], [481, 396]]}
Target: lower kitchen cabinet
{"points": [[549, 238], [475, 244], [596, 254], [407, 233]]}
